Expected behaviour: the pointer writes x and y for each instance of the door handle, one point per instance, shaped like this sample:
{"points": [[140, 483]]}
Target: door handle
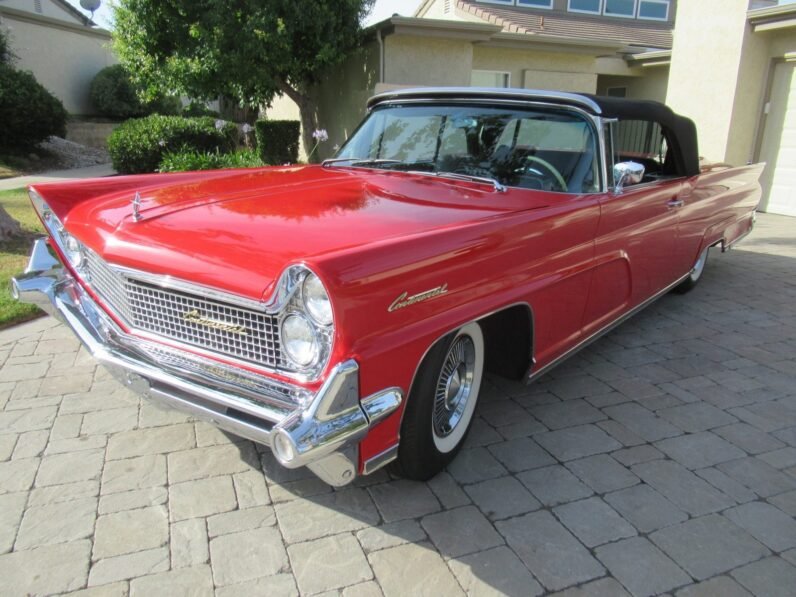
{"points": [[675, 203]]}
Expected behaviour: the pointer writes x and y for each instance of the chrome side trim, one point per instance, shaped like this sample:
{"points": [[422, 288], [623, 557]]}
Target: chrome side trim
{"points": [[381, 460], [533, 375]]}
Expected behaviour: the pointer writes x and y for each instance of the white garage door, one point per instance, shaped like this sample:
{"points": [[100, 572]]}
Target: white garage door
{"points": [[779, 144]]}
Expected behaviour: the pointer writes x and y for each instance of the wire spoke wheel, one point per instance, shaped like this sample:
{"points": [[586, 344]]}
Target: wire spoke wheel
{"points": [[454, 386], [441, 403]]}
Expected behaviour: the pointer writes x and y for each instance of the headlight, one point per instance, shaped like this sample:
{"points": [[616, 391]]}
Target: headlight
{"points": [[299, 339], [316, 300]]}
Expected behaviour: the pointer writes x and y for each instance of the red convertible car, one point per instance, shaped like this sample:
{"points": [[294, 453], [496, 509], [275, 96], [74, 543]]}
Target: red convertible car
{"points": [[345, 314]]}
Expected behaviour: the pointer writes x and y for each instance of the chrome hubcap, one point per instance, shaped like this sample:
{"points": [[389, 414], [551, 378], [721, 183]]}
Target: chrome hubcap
{"points": [[454, 386], [699, 265]]}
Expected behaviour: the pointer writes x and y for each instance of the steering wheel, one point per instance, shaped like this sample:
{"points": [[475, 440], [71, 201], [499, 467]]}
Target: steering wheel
{"points": [[547, 165]]}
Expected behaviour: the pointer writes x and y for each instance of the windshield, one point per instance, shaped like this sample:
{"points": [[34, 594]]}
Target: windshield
{"points": [[550, 150]]}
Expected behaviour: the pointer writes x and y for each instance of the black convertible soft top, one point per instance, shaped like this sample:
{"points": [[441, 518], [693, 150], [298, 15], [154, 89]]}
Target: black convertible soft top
{"points": [[680, 132]]}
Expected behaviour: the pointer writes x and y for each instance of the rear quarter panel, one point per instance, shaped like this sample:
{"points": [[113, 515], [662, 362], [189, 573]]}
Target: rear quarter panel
{"points": [[718, 207]]}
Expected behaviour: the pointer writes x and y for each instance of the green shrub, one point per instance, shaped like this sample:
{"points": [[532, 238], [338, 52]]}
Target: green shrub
{"points": [[278, 140], [138, 145], [196, 108], [114, 95], [188, 160], [166, 105], [28, 112]]}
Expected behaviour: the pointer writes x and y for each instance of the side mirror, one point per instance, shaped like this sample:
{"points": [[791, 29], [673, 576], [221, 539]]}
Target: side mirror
{"points": [[626, 173]]}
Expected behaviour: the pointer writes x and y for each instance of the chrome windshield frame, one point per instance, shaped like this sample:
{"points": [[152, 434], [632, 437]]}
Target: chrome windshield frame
{"points": [[596, 123]]}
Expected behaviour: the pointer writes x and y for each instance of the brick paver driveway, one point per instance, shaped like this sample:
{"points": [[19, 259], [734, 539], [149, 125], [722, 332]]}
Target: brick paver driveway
{"points": [[661, 459]]}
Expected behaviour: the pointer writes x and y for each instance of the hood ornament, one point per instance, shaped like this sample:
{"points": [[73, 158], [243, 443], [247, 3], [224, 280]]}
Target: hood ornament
{"points": [[137, 207]]}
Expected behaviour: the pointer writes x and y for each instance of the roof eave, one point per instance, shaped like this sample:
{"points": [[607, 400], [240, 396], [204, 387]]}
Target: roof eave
{"points": [[776, 17], [494, 35], [436, 28], [32, 17], [655, 58], [580, 44]]}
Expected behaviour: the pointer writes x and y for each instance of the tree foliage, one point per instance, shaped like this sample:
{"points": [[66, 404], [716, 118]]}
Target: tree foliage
{"points": [[6, 55], [114, 95], [250, 50]]}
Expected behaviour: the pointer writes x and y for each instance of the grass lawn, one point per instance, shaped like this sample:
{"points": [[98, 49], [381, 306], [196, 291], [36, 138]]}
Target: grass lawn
{"points": [[14, 256]]}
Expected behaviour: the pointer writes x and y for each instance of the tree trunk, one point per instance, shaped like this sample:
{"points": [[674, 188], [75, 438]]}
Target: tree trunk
{"points": [[9, 227], [307, 111]]}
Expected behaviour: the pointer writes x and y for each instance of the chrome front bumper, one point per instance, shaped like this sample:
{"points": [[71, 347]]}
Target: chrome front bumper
{"points": [[319, 430]]}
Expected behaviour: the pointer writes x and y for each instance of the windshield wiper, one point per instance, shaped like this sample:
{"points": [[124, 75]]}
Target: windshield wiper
{"points": [[499, 188], [361, 161]]}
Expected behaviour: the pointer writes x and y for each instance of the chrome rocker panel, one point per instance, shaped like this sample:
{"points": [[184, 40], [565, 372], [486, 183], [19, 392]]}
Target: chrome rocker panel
{"points": [[321, 431]]}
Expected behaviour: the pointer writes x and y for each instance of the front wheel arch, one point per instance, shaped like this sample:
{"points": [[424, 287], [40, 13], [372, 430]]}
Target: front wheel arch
{"points": [[425, 449], [504, 329]]}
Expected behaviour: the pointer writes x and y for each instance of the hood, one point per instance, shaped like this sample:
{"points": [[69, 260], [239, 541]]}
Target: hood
{"points": [[237, 230]]}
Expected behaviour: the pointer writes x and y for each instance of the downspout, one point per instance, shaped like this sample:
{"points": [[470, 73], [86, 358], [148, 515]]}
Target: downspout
{"points": [[381, 55]]}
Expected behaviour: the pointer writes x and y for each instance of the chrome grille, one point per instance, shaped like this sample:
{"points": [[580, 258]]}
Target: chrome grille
{"points": [[225, 329]]}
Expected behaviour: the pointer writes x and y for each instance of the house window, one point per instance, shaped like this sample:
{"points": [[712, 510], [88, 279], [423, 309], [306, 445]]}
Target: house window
{"points": [[490, 78], [509, 2], [620, 8], [656, 10], [536, 3], [617, 92], [589, 6]]}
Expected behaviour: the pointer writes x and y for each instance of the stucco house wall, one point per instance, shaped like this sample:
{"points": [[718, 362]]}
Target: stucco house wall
{"points": [[652, 85], [720, 75], [705, 66], [64, 57], [534, 69], [427, 61]]}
